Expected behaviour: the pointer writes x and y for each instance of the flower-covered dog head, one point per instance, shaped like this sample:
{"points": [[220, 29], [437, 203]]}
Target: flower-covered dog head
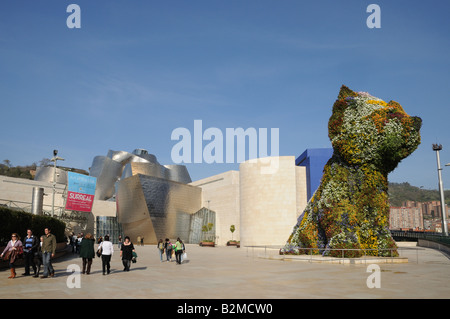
{"points": [[365, 130]]}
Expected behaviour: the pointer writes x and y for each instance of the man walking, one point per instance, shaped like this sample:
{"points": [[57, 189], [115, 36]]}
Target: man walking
{"points": [[48, 252], [30, 244]]}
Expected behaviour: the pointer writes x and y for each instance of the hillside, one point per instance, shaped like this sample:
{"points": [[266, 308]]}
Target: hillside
{"points": [[400, 192], [28, 171]]}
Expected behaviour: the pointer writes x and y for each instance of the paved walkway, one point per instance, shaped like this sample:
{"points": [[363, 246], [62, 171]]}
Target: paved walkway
{"points": [[237, 273]]}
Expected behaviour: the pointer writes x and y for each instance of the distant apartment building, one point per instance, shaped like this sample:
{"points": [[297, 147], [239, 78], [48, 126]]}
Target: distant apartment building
{"points": [[406, 218], [416, 215]]}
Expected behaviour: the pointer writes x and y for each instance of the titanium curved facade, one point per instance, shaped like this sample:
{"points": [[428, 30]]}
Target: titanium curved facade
{"points": [[156, 208], [119, 165], [45, 174], [153, 201]]}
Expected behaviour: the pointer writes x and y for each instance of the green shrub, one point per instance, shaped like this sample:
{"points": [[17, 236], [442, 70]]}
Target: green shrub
{"points": [[12, 221]]}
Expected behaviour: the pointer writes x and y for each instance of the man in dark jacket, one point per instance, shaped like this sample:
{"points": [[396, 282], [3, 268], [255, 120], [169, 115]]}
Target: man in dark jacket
{"points": [[30, 246]]}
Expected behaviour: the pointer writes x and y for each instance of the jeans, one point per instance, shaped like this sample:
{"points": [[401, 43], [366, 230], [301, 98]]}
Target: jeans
{"points": [[178, 256], [168, 254], [105, 263], [47, 261], [126, 264], [160, 253], [29, 256]]}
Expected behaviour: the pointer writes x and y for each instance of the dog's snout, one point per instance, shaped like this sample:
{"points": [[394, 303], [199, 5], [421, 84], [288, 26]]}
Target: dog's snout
{"points": [[417, 122]]}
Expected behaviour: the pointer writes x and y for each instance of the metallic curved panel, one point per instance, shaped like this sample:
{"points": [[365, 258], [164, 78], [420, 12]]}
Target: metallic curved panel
{"points": [[178, 173], [107, 172], [119, 156], [164, 206], [149, 169], [45, 174], [144, 154], [128, 169]]}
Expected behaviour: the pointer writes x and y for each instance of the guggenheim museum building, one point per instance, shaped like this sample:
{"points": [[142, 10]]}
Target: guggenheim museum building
{"points": [[136, 196]]}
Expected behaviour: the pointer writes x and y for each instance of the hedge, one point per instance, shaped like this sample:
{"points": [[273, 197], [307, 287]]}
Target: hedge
{"points": [[12, 221]]}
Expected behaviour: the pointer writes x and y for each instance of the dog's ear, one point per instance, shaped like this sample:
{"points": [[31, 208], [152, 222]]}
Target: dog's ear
{"points": [[336, 119], [346, 92]]}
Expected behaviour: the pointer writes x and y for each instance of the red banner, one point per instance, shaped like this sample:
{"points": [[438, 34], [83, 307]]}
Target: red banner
{"points": [[79, 202]]}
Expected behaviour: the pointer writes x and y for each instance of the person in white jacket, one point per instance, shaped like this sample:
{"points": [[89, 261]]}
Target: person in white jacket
{"points": [[107, 250]]}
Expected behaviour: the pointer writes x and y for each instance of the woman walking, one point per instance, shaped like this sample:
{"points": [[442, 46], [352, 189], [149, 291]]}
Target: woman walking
{"points": [[178, 250], [87, 252], [126, 252], [168, 248], [12, 251], [107, 251], [161, 249]]}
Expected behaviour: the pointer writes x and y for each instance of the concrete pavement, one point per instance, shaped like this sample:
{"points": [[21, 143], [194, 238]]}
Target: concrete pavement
{"points": [[237, 273]]}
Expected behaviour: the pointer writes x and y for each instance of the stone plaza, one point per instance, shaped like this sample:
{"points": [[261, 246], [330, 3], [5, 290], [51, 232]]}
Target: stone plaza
{"points": [[237, 273]]}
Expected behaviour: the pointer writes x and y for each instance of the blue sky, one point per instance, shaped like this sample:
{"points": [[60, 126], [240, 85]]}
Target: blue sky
{"points": [[137, 70]]}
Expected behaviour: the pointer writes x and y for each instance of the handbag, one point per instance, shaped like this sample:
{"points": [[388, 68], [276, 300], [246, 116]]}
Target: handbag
{"points": [[133, 259], [6, 255], [99, 252]]}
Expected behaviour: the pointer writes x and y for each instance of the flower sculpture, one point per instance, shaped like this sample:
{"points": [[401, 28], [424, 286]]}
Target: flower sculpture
{"points": [[350, 209]]}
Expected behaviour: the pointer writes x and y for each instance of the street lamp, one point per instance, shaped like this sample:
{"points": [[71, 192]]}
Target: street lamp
{"points": [[54, 159], [437, 148]]}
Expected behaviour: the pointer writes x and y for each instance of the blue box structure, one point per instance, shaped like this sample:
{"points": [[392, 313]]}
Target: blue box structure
{"points": [[314, 159]]}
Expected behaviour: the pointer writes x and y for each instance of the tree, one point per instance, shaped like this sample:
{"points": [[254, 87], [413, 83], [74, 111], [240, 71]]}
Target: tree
{"points": [[44, 162], [7, 162], [232, 229]]}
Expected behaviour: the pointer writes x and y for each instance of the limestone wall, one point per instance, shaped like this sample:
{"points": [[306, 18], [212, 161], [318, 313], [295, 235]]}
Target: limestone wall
{"points": [[268, 200], [220, 193]]}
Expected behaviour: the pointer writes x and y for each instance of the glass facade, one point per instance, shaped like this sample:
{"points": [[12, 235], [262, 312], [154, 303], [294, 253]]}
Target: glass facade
{"points": [[199, 229], [107, 225]]}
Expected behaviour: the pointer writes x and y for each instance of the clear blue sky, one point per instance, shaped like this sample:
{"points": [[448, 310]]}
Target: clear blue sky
{"points": [[136, 70]]}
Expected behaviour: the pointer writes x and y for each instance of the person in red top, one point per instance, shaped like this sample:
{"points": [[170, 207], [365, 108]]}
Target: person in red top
{"points": [[12, 251]]}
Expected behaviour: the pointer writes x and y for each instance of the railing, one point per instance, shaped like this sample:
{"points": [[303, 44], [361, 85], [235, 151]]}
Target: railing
{"points": [[26, 207], [416, 235], [339, 255]]}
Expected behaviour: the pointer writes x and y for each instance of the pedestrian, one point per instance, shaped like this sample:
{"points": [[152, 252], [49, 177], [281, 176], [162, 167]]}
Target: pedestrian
{"points": [[38, 257], [87, 253], [73, 243], [168, 248], [31, 244], [107, 251], [79, 239], [120, 242], [48, 252], [13, 251], [183, 248], [178, 250], [126, 252], [161, 249]]}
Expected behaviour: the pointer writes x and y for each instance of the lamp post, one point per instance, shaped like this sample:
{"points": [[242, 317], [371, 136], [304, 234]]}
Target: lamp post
{"points": [[437, 148], [54, 159]]}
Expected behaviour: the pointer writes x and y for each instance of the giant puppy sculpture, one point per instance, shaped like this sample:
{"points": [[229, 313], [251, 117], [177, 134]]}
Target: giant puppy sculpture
{"points": [[350, 209]]}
